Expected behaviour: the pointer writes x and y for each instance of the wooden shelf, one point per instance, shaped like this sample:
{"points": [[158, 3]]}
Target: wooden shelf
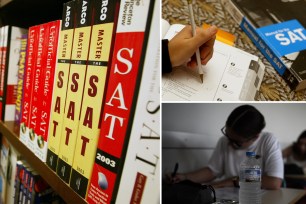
{"points": [[11, 132]]}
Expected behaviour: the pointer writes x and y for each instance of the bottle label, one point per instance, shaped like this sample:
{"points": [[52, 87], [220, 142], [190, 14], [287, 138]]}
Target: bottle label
{"points": [[252, 175]]}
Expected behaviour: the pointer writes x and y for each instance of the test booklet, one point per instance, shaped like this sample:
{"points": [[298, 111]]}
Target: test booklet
{"points": [[231, 75]]}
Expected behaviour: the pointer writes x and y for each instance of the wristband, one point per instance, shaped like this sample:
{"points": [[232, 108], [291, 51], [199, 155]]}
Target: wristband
{"points": [[236, 181]]}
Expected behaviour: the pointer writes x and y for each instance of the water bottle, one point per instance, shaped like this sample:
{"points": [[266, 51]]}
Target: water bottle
{"points": [[250, 180]]}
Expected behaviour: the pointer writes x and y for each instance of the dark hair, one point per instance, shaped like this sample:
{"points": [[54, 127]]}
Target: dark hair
{"points": [[295, 147], [302, 135], [246, 121]]}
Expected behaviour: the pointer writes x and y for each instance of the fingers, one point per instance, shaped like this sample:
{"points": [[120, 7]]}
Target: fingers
{"points": [[183, 45], [207, 50], [205, 39], [174, 179], [171, 179], [205, 36], [193, 62]]}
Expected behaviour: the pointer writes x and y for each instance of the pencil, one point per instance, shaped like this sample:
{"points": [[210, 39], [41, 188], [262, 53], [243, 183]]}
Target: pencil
{"points": [[193, 25], [175, 170]]}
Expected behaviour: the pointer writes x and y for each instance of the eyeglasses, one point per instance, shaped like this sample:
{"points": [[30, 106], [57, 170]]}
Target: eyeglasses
{"points": [[236, 144]]}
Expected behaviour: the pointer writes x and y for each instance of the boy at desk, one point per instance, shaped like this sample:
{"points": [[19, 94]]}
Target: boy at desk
{"points": [[242, 132]]}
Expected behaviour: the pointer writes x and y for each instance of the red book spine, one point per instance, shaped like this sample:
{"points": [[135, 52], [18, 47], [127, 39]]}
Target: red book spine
{"points": [[1, 52], [3, 60], [140, 177], [122, 89], [27, 83], [49, 60], [37, 86]]}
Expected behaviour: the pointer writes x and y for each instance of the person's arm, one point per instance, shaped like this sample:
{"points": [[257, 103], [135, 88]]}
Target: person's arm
{"points": [[230, 182], [271, 183], [200, 176], [183, 46], [287, 152], [267, 182], [273, 171]]}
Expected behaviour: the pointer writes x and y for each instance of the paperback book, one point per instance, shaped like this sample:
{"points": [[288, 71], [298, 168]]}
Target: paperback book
{"points": [[122, 91], [277, 28], [47, 78], [27, 85], [76, 81], [11, 44], [140, 177], [98, 66], [37, 86], [13, 156], [60, 83], [21, 71]]}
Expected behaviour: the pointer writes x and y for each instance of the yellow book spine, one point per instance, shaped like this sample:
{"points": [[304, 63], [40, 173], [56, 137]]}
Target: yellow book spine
{"points": [[60, 83], [89, 130], [58, 101], [74, 95]]}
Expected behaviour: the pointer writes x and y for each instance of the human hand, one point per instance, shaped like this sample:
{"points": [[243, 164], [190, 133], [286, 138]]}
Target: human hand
{"points": [[224, 183], [183, 46], [175, 179]]}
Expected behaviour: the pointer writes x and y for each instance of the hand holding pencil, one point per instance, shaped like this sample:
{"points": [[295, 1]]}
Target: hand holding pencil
{"points": [[184, 45]]}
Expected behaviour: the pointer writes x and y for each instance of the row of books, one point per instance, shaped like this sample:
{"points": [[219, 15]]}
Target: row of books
{"points": [[19, 183], [89, 92], [10, 45], [30, 187]]}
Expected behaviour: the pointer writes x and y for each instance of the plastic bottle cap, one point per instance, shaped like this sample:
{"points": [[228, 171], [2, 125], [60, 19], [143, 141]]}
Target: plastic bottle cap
{"points": [[250, 154]]}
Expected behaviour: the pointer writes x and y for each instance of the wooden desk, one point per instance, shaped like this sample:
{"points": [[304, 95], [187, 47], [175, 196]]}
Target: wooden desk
{"points": [[282, 196]]}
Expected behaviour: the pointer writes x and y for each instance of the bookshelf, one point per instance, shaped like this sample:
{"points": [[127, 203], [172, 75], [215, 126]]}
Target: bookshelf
{"points": [[26, 13], [11, 131]]}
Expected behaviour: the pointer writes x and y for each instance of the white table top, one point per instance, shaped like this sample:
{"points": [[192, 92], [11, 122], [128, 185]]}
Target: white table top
{"points": [[281, 196]]}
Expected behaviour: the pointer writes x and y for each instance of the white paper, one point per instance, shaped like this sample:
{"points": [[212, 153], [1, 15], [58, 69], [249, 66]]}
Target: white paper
{"points": [[227, 76]]}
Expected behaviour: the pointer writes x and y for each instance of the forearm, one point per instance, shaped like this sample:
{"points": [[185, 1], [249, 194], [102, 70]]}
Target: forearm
{"points": [[268, 182], [271, 183], [286, 152], [200, 176], [224, 183]]}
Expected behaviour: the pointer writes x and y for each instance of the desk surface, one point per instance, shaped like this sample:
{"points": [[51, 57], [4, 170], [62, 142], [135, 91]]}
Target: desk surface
{"points": [[273, 87], [295, 176], [282, 196]]}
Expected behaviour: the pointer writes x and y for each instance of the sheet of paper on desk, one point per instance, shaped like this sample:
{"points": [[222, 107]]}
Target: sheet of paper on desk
{"points": [[231, 75]]}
